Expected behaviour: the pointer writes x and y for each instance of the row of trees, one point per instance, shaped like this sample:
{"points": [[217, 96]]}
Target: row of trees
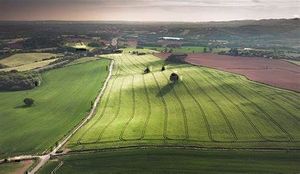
{"points": [[15, 81], [256, 53]]}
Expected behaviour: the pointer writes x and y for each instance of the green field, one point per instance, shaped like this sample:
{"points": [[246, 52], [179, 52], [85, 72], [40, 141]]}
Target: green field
{"points": [[63, 99], [175, 161], [25, 58], [208, 108], [30, 66], [83, 60], [15, 167]]}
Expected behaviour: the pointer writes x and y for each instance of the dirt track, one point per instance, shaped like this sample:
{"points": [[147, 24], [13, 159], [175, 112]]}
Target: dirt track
{"points": [[278, 73]]}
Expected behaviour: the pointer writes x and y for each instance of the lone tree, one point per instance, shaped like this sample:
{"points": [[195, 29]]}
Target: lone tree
{"points": [[163, 68], [28, 102], [147, 70], [174, 77]]}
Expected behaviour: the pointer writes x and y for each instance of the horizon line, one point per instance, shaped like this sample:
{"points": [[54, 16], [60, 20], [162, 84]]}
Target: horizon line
{"points": [[146, 21]]}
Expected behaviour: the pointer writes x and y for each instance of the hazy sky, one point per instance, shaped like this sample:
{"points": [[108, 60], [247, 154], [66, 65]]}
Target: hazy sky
{"points": [[148, 10]]}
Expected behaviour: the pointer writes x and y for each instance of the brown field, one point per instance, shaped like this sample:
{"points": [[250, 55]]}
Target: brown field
{"points": [[278, 73]]}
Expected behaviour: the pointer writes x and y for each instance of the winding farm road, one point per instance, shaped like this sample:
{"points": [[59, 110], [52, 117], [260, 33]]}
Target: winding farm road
{"points": [[44, 158]]}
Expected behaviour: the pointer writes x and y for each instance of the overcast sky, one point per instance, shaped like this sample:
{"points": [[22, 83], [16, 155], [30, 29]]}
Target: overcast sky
{"points": [[148, 10]]}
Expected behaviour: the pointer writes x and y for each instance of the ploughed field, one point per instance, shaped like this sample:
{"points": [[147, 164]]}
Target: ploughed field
{"points": [[61, 102], [207, 108], [278, 73]]}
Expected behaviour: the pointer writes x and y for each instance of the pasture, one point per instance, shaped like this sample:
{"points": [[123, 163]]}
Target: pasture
{"points": [[61, 102], [208, 108], [174, 161], [30, 66], [15, 167], [25, 58]]}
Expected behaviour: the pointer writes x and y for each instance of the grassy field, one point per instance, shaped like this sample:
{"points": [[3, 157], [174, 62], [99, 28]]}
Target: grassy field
{"points": [[78, 45], [175, 161], [83, 60], [208, 108], [16, 167], [61, 102], [30, 66], [25, 58]]}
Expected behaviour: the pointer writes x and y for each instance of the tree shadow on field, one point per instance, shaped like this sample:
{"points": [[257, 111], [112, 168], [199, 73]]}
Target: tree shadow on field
{"points": [[165, 90], [22, 107]]}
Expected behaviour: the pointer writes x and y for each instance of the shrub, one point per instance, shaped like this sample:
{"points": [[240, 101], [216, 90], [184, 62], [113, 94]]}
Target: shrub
{"points": [[147, 70], [14, 81], [2, 66], [177, 58], [174, 77], [28, 102]]}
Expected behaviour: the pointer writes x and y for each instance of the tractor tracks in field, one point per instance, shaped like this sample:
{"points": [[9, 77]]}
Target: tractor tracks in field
{"points": [[148, 103], [102, 112], [234, 104], [207, 126], [268, 116], [121, 137], [166, 112], [185, 124], [115, 115], [270, 100], [149, 110], [287, 100], [234, 136], [186, 129]]}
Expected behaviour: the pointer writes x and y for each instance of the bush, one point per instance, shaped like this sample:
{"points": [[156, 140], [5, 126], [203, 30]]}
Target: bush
{"points": [[14, 81], [147, 70], [177, 58], [28, 102], [94, 44], [3, 66], [174, 77]]}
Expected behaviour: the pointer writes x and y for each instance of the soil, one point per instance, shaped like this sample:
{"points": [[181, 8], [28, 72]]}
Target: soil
{"points": [[278, 73]]}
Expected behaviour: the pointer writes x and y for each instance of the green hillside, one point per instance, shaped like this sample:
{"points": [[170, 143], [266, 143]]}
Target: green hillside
{"points": [[207, 108], [61, 102]]}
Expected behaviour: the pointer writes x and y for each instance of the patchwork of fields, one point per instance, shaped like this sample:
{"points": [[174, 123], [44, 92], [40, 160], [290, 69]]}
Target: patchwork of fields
{"points": [[208, 108], [61, 102]]}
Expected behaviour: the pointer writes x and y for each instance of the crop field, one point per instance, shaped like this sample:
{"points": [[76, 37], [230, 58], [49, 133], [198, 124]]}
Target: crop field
{"points": [[16, 167], [63, 99], [83, 60], [207, 108], [175, 161], [274, 72], [25, 58], [30, 66]]}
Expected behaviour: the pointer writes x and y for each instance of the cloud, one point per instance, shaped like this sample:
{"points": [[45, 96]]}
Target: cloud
{"points": [[189, 10]]}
